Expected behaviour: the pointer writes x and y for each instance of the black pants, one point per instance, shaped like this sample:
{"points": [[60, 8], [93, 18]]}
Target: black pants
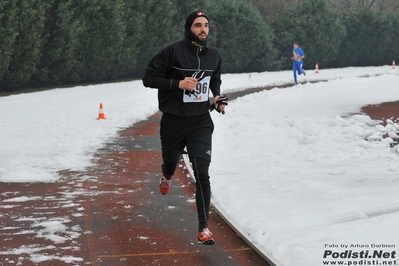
{"points": [[194, 133]]}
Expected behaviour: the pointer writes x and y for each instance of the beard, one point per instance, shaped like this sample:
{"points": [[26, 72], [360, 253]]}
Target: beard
{"points": [[203, 36]]}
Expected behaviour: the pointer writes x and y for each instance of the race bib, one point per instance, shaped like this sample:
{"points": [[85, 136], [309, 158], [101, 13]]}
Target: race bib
{"points": [[200, 94]]}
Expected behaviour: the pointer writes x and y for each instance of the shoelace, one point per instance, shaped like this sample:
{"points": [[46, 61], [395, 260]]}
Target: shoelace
{"points": [[206, 232], [165, 183]]}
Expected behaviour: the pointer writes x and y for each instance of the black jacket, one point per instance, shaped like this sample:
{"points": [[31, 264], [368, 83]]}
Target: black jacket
{"points": [[179, 60]]}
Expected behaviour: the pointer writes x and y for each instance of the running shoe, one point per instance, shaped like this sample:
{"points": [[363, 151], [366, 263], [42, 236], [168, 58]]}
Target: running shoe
{"points": [[205, 237], [164, 185]]}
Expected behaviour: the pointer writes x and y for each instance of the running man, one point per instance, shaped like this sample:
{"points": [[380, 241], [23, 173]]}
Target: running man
{"points": [[297, 61], [185, 72]]}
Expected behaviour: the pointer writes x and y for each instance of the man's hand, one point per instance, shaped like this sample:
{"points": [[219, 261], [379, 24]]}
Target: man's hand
{"points": [[219, 103], [188, 84]]}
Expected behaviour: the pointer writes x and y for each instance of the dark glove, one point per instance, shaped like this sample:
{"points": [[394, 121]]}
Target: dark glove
{"points": [[199, 75], [221, 100], [189, 93]]}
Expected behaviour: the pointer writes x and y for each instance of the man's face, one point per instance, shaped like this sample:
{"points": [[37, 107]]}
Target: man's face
{"points": [[200, 28], [295, 45]]}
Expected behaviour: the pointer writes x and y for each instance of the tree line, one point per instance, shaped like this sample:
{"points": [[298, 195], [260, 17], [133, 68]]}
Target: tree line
{"points": [[48, 43]]}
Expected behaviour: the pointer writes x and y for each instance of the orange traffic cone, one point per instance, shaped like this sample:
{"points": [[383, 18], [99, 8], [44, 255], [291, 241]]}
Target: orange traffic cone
{"points": [[393, 64], [101, 113], [317, 68]]}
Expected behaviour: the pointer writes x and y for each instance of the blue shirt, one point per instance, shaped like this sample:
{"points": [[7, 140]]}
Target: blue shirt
{"points": [[299, 52]]}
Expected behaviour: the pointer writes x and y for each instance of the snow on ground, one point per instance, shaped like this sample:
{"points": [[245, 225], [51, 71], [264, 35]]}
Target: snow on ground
{"points": [[298, 168]]}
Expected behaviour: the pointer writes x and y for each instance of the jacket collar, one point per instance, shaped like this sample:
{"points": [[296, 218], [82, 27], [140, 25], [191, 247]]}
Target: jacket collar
{"points": [[193, 41]]}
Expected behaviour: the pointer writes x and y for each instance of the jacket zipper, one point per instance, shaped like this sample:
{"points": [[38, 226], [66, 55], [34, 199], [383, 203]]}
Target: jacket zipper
{"points": [[199, 60]]}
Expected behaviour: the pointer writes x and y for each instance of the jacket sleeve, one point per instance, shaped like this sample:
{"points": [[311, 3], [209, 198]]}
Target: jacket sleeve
{"points": [[216, 80], [155, 72]]}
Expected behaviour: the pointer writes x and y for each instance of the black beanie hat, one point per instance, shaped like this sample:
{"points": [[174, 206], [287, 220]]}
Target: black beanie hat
{"points": [[191, 17]]}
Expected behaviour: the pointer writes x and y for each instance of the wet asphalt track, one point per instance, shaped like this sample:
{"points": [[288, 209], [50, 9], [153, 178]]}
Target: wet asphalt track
{"points": [[113, 214]]}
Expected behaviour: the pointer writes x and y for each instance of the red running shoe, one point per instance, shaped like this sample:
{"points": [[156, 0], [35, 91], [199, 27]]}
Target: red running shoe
{"points": [[205, 237], [164, 185]]}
